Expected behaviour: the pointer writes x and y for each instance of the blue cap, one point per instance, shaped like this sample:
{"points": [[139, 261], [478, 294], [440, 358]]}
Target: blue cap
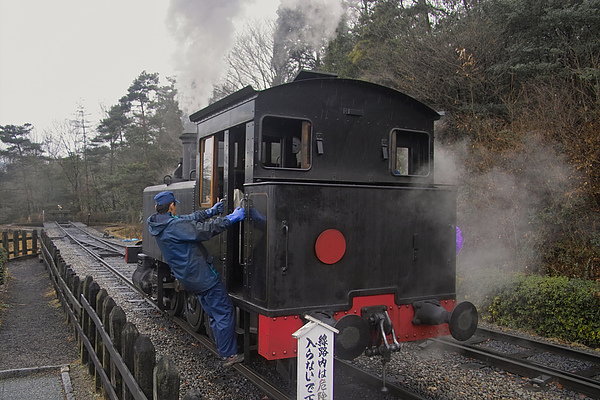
{"points": [[165, 198]]}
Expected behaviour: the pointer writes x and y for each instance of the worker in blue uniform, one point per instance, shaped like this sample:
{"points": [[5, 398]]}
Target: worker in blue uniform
{"points": [[180, 238]]}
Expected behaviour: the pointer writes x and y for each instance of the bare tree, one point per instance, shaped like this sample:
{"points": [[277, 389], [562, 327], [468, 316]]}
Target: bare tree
{"points": [[64, 144], [268, 53], [250, 60]]}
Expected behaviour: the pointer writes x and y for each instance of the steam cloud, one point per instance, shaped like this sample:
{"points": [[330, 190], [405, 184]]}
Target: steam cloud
{"points": [[323, 17], [498, 211], [501, 212], [205, 32]]}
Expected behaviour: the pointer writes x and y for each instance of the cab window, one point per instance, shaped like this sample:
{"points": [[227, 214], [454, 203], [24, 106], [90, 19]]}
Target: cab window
{"points": [[206, 171], [285, 143], [410, 153]]}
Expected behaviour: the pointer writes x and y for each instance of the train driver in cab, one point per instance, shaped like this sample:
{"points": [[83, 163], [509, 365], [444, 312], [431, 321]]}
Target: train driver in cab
{"points": [[180, 238]]}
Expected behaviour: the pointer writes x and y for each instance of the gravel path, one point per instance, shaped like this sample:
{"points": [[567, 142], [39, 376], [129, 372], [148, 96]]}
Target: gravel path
{"points": [[33, 328]]}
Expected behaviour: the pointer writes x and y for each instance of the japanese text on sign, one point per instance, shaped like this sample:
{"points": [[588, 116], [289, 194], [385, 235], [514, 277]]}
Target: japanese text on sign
{"points": [[315, 361]]}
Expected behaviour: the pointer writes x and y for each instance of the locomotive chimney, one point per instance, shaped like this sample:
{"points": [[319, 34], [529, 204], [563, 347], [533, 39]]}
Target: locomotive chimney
{"points": [[189, 153]]}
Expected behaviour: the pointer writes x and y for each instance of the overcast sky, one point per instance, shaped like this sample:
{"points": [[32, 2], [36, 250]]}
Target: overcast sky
{"points": [[57, 54]]}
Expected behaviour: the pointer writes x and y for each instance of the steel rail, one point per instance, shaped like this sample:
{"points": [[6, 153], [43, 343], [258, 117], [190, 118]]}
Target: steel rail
{"points": [[539, 345], [259, 381], [263, 384], [526, 368], [116, 247], [103, 247], [375, 382], [124, 278]]}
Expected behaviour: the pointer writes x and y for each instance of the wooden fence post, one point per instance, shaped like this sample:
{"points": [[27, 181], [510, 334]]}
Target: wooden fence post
{"points": [[55, 253], [107, 307], [91, 333], [76, 286], [62, 268], [118, 319], [70, 275], [166, 379], [23, 243], [129, 337], [5, 243], [144, 358], [15, 243], [98, 347], [34, 241], [85, 319]]}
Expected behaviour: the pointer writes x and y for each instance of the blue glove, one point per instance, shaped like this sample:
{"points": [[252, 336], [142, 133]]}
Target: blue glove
{"points": [[214, 210], [237, 215]]}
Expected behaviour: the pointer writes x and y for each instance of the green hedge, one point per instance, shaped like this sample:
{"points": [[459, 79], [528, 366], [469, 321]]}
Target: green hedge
{"points": [[558, 307]]}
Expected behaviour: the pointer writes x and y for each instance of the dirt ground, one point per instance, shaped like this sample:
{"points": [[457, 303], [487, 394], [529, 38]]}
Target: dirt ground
{"points": [[33, 328], [121, 231]]}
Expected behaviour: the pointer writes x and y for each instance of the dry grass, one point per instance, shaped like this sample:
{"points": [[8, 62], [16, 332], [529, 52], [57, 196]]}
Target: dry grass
{"points": [[129, 231]]}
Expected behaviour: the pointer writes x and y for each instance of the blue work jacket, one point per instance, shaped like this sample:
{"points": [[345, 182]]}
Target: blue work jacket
{"points": [[180, 241]]}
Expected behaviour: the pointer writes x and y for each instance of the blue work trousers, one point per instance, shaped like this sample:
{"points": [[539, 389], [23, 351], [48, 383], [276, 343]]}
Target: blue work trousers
{"points": [[218, 306]]}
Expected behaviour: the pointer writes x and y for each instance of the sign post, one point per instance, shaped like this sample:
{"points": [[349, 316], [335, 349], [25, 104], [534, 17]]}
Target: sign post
{"points": [[315, 360]]}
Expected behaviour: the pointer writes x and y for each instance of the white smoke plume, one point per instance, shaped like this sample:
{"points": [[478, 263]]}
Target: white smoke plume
{"points": [[322, 15], [205, 31], [505, 212]]}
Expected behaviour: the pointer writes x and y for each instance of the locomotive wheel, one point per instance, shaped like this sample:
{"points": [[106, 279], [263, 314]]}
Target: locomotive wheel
{"points": [[174, 303], [194, 314]]}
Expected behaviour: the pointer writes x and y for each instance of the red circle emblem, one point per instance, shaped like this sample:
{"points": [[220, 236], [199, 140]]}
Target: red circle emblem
{"points": [[330, 246]]}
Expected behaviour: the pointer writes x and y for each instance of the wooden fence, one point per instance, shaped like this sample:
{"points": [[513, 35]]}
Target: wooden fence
{"points": [[122, 361], [18, 243]]}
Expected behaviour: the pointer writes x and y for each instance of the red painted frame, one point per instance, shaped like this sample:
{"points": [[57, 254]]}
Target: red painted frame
{"points": [[275, 341]]}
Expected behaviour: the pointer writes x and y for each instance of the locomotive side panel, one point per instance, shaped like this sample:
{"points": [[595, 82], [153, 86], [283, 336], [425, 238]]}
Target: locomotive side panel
{"points": [[395, 240]]}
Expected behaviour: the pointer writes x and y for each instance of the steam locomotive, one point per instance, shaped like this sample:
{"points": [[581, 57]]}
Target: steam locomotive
{"points": [[343, 219]]}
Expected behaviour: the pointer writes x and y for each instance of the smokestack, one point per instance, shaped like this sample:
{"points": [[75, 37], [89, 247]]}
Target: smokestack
{"points": [[189, 152]]}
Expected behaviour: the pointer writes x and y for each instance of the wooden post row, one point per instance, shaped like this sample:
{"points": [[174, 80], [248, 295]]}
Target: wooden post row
{"points": [[156, 380]]}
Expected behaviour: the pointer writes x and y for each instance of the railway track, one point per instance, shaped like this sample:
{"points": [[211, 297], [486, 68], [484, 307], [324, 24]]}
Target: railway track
{"points": [[111, 248], [101, 250], [109, 257], [542, 362]]}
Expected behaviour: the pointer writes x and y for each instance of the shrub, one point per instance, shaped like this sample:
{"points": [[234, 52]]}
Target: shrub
{"points": [[557, 307]]}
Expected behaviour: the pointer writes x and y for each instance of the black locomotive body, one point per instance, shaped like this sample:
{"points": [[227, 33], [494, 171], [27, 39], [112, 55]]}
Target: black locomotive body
{"points": [[343, 218]]}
